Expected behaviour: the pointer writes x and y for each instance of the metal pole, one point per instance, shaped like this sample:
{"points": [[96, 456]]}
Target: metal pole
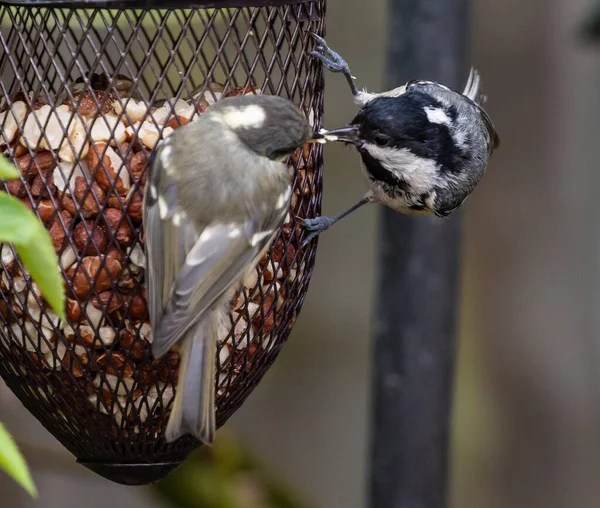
{"points": [[417, 289]]}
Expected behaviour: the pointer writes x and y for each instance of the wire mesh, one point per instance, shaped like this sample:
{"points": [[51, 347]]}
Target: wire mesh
{"points": [[87, 95]]}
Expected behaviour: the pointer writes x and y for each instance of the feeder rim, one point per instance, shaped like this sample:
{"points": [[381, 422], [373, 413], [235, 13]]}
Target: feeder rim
{"points": [[150, 4]]}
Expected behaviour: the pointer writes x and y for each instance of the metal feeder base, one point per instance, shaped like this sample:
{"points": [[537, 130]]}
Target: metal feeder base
{"points": [[131, 474]]}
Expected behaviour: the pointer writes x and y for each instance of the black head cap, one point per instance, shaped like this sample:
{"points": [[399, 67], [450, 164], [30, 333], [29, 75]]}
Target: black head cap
{"points": [[402, 122], [269, 125]]}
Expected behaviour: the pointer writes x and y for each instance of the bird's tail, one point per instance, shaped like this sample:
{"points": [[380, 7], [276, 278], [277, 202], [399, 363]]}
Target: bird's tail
{"points": [[193, 409], [473, 86]]}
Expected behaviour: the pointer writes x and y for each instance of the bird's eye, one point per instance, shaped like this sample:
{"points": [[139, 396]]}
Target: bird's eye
{"points": [[381, 140]]}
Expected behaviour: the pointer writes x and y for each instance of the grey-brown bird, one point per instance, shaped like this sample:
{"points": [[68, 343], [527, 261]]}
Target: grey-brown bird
{"points": [[217, 192]]}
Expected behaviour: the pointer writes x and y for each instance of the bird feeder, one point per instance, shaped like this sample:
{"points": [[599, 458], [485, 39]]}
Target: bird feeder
{"points": [[89, 89]]}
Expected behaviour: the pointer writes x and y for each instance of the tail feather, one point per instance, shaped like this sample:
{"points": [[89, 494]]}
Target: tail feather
{"points": [[473, 85], [193, 409]]}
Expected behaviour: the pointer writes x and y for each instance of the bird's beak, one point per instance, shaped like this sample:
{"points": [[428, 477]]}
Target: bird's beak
{"points": [[345, 135], [317, 137]]}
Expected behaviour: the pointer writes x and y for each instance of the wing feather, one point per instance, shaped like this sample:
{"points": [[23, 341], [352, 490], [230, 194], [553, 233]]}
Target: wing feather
{"points": [[218, 259], [191, 263], [164, 251]]}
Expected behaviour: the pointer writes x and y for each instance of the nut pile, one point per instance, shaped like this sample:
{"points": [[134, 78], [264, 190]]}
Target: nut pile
{"points": [[83, 165]]}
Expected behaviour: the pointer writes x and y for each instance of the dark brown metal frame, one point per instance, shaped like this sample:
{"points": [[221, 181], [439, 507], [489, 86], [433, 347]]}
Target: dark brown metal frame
{"points": [[44, 49]]}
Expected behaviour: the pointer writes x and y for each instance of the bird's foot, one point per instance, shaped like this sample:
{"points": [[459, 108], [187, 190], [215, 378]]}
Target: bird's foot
{"points": [[330, 59], [314, 227]]}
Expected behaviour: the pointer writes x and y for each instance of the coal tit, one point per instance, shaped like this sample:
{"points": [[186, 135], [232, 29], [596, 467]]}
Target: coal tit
{"points": [[217, 193], [424, 147]]}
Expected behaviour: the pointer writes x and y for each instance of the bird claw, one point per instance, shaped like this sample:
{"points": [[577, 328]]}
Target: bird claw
{"points": [[317, 38], [314, 227], [309, 239], [329, 58]]}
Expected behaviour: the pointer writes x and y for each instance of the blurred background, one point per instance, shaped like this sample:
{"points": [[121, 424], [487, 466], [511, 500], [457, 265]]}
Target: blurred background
{"points": [[526, 423]]}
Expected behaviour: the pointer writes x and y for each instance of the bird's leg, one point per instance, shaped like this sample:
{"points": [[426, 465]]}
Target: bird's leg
{"points": [[316, 226], [333, 61]]}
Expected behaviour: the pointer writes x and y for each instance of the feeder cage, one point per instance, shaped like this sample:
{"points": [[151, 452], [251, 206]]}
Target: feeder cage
{"points": [[89, 90]]}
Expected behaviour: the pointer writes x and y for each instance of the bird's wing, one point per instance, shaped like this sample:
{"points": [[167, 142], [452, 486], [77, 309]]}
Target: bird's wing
{"points": [[492, 138], [189, 266], [219, 258], [166, 243]]}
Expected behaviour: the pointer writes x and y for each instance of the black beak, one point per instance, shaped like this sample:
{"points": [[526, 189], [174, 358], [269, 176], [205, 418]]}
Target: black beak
{"points": [[317, 137], [345, 135]]}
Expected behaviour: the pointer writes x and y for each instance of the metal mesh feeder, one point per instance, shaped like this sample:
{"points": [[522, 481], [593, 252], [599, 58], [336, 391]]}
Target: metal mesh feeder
{"points": [[88, 93]]}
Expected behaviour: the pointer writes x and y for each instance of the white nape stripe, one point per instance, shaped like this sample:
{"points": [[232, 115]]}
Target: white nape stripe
{"points": [[247, 117], [437, 115]]}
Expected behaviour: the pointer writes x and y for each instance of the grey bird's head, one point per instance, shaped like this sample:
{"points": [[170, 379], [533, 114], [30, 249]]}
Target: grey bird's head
{"points": [[269, 125]]}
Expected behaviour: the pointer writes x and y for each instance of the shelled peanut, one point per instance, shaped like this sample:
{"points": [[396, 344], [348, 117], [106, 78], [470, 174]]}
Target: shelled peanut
{"points": [[83, 169]]}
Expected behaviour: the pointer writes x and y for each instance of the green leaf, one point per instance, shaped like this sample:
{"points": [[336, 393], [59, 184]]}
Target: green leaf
{"points": [[20, 227], [13, 462], [7, 169]]}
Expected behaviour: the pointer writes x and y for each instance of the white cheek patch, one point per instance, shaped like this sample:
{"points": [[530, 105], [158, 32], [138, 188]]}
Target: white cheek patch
{"points": [[437, 115], [249, 117], [421, 174]]}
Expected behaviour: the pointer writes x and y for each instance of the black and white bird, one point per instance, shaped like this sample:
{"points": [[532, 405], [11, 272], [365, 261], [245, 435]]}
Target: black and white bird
{"points": [[217, 193], [424, 147]]}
